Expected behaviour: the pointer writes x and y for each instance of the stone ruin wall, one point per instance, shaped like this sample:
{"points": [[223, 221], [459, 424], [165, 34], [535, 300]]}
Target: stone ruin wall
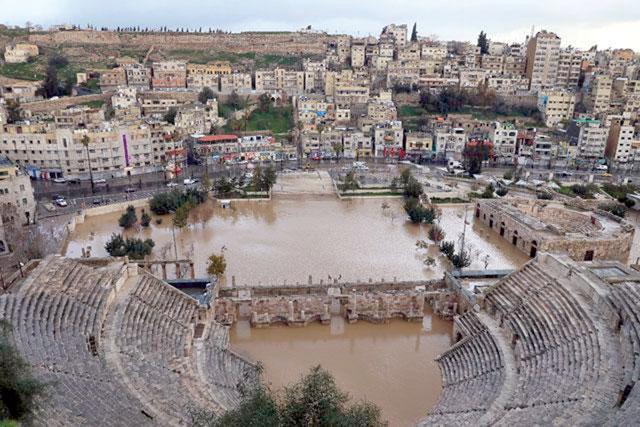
{"points": [[616, 247], [301, 305], [281, 43]]}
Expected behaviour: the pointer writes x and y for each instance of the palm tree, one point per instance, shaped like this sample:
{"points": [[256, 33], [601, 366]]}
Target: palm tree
{"points": [[85, 141], [320, 129]]}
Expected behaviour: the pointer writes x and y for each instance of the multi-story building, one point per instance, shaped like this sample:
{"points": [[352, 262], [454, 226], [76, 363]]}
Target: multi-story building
{"points": [[409, 52], [504, 138], [355, 144], [358, 54], [621, 140], [381, 111], [77, 117], [507, 86], [599, 98], [492, 64], [290, 82], [16, 190], [589, 137], [169, 75], [207, 75], [112, 79], [569, 68], [388, 139], [137, 76], [419, 145], [235, 82], [19, 52], [543, 54], [556, 105], [450, 142], [514, 66], [396, 33]]}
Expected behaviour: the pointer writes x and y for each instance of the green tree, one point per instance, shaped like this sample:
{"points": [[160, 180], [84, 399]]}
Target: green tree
{"points": [[14, 112], [414, 32], [268, 178], [170, 116], [145, 219], [350, 181], [483, 43], [413, 188], [216, 265], [51, 86], [129, 218], [134, 248], [264, 102], [205, 94], [18, 388], [223, 186], [234, 100]]}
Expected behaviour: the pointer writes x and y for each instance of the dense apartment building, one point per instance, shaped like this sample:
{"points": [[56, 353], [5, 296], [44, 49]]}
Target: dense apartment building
{"points": [[15, 190], [388, 138], [543, 55], [504, 139], [556, 105], [235, 82], [395, 33], [137, 76], [569, 68], [49, 152], [621, 141], [112, 79], [589, 137], [289, 82], [169, 75], [599, 97], [358, 50]]}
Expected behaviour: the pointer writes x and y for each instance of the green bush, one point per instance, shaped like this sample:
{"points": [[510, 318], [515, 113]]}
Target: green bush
{"points": [[134, 248], [315, 400], [448, 249], [129, 218], [18, 388], [502, 191], [145, 219], [487, 193], [164, 203], [614, 208], [418, 213]]}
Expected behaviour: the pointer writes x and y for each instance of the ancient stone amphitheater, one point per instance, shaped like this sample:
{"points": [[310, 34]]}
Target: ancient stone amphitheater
{"points": [[119, 346], [555, 343]]}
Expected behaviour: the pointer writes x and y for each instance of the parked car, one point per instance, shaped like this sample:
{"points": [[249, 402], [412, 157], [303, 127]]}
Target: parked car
{"points": [[56, 197], [59, 180], [129, 190], [601, 168], [100, 181], [73, 181], [172, 184], [61, 202]]}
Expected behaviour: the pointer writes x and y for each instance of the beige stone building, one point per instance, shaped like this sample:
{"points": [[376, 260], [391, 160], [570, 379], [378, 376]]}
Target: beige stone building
{"points": [[238, 82], [290, 82], [388, 138], [358, 55], [20, 52], [137, 76], [543, 55], [169, 75], [556, 105], [533, 226], [16, 190], [396, 33], [599, 98], [112, 79], [569, 67], [420, 144]]}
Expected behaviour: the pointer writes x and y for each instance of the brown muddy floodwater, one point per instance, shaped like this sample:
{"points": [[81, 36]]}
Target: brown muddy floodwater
{"points": [[268, 242], [391, 365], [290, 238]]}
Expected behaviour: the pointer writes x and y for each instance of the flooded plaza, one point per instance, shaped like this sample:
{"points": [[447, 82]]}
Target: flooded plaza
{"points": [[268, 242], [391, 365], [290, 238]]}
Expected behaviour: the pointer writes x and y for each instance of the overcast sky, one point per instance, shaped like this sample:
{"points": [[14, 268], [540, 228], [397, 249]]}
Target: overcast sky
{"points": [[581, 23]]}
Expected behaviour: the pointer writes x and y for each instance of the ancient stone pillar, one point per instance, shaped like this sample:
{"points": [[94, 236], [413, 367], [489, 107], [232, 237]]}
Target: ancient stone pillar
{"points": [[178, 272], [291, 312], [193, 270], [164, 271]]}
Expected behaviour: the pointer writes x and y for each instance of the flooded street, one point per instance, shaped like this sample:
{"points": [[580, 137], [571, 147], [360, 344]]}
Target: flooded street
{"points": [[290, 239], [391, 365]]}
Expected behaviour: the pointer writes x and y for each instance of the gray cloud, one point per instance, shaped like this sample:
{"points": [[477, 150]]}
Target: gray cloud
{"points": [[577, 22]]}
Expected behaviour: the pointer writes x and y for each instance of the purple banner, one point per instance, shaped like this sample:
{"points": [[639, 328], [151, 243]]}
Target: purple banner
{"points": [[126, 150]]}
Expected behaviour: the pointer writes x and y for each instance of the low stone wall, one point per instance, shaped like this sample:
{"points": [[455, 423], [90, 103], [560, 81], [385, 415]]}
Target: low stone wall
{"points": [[49, 105], [300, 305]]}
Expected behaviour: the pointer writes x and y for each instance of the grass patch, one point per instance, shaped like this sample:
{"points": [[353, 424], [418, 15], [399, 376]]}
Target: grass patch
{"points": [[583, 191], [32, 70], [437, 200], [98, 103], [370, 193], [276, 119], [411, 111], [618, 191]]}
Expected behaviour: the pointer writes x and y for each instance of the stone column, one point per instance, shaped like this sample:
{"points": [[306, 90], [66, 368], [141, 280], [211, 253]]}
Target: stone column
{"points": [[164, 271], [193, 270]]}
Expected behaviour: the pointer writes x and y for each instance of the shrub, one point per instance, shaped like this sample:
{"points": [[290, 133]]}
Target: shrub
{"points": [[543, 195], [447, 248], [413, 188], [487, 193], [129, 218], [164, 203], [436, 233], [134, 248], [614, 208], [145, 219], [419, 213], [18, 388], [502, 191], [508, 175]]}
